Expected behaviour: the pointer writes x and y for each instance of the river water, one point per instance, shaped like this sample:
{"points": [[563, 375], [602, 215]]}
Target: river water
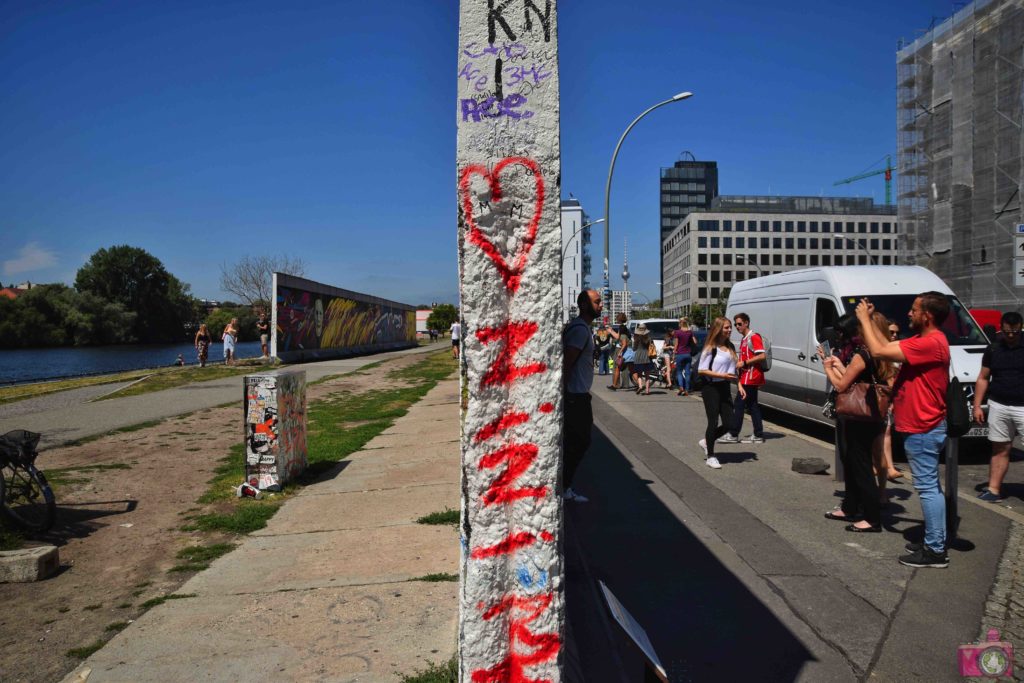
{"points": [[33, 365]]}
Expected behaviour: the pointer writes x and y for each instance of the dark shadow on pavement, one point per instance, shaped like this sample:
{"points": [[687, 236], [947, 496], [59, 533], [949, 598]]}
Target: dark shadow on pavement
{"points": [[702, 621]]}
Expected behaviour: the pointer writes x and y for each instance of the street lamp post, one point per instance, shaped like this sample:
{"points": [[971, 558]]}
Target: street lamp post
{"points": [[608, 190], [860, 245], [751, 263], [565, 250], [707, 299]]}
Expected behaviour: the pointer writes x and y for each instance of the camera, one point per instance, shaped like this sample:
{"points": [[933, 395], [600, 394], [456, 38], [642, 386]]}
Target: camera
{"points": [[991, 658]]}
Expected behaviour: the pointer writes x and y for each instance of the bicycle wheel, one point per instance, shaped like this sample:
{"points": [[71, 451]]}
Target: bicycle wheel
{"points": [[27, 499]]}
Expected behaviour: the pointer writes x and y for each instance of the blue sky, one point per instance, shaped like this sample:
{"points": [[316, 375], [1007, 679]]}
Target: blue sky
{"points": [[205, 131]]}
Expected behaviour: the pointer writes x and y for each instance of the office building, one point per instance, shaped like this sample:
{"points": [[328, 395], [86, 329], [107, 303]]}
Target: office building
{"points": [[960, 152], [622, 302], [575, 255], [686, 186], [741, 237]]}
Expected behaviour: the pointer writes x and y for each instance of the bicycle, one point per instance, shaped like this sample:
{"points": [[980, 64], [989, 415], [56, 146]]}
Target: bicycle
{"points": [[25, 496]]}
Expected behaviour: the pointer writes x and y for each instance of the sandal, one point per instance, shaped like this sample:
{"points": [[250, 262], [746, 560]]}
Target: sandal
{"points": [[895, 477], [864, 530], [838, 515]]}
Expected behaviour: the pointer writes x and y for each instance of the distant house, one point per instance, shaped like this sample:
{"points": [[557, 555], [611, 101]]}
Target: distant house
{"points": [[421, 321], [10, 292]]}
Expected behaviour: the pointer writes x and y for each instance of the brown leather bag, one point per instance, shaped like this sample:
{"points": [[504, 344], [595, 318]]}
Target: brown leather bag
{"points": [[865, 401]]}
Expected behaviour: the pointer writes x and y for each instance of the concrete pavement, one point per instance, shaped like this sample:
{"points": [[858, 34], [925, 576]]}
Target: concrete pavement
{"points": [[736, 572], [67, 416], [328, 591]]}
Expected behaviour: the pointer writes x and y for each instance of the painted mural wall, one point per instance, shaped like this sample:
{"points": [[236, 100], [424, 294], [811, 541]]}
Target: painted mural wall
{"points": [[275, 428], [511, 620], [314, 321]]}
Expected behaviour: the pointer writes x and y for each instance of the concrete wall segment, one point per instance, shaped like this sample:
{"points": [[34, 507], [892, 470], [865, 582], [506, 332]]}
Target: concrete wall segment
{"points": [[508, 195]]}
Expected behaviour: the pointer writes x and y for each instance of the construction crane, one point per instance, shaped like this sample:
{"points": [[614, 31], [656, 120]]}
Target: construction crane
{"points": [[888, 178]]}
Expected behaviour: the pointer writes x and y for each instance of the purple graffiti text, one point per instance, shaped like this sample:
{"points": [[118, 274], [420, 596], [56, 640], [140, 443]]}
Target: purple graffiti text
{"points": [[506, 50], [492, 108]]}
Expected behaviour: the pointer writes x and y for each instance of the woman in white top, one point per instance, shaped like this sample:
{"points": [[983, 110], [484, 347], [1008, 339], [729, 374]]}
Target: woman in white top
{"points": [[718, 368]]}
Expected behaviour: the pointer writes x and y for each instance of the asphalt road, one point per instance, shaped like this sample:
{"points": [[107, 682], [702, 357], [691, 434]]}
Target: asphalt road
{"points": [[68, 416], [735, 573]]}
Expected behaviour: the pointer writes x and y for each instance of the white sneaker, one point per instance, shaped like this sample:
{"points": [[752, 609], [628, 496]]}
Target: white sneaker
{"points": [[713, 463], [727, 438], [753, 439], [573, 496], [703, 446]]}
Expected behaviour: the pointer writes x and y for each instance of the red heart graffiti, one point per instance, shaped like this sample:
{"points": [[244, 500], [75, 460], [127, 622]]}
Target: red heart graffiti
{"points": [[510, 274]]}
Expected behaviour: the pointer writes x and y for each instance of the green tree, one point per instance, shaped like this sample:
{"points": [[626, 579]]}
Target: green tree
{"points": [[137, 280], [219, 319], [442, 317]]}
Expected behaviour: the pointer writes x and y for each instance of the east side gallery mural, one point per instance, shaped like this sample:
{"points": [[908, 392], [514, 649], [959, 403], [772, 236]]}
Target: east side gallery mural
{"points": [[316, 321]]}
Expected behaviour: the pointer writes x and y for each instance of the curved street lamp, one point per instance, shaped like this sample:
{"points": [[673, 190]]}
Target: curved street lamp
{"points": [[565, 249], [707, 299], [752, 262], [860, 245], [608, 189]]}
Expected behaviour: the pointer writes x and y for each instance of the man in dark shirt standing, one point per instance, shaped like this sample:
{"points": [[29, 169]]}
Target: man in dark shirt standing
{"points": [[1002, 380]]}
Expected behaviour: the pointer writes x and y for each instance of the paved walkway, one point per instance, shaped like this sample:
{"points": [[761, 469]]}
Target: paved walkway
{"points": [[328, 590], [67, 416], [736, 573]]}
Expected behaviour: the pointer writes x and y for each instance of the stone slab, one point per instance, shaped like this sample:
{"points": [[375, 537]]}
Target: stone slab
{"points": [[358, 509], [359, 633], [365, 475], [407, 440], [29, 564], [430, 432], [332, 558], [427, 451]]}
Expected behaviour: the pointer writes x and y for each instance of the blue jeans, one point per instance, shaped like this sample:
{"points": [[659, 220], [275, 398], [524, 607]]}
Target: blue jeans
{"points": [[923, 452], [683, 371], [602, 361]]}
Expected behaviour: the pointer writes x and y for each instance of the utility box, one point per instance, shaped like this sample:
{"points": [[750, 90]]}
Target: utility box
{"points": [[275, 428]]}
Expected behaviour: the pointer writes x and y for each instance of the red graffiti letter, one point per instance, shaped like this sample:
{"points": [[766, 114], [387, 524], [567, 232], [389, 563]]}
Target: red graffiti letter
{"points": [[513, 335], [519, 458], [522, 611]]}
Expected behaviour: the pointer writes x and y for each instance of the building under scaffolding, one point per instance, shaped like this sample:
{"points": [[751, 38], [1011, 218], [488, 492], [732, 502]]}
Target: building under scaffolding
{"points": [[960, 144]]}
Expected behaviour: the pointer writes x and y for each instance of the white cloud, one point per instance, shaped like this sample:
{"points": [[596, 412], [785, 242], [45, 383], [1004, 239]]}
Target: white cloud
{"points": [[31, 257]]}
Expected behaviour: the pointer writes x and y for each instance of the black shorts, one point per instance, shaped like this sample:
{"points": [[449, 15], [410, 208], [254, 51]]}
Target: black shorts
{"points": [[455, 342]]}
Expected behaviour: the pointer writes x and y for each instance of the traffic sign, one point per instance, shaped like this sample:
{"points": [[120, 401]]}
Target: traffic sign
{"points": [[1018, 273], [1018, 247], [1020, 229]]}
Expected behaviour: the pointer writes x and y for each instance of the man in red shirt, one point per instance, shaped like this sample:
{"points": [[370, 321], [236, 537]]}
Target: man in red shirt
{"points": [[919, 408], [751, 376]]}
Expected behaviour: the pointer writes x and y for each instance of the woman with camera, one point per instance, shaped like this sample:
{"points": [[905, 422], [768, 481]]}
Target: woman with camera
{"points": [[858, 438], [717, 368]]}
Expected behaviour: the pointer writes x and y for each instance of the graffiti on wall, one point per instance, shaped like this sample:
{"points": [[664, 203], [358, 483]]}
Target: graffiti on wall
{"points": [[275, 429], [512, 613], [312, 321]]}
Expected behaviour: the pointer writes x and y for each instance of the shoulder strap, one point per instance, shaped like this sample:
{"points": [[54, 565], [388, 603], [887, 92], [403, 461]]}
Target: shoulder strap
{"points": [[869, 363]]}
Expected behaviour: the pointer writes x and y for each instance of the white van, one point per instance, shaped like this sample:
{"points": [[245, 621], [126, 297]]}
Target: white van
{"points": [[792, 309], [656, 327]]}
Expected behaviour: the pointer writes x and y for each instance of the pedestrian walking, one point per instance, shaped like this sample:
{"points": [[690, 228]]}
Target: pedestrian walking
{"points": [[263, 329], [919, 409], [578, 376], [643, 365], [750, 365], [668, 347], [718, 367], [1001, 380], [858, 440], [623, 351], [229, 336], [456, 334], [686, 344], [605, 346], [202, 344]]}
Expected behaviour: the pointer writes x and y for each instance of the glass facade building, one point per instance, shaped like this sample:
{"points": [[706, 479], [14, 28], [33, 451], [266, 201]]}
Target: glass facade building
{"points": [[684, 187]]}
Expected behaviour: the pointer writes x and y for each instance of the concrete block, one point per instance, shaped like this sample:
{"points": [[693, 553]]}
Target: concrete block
{"points": [[28, 564]]}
